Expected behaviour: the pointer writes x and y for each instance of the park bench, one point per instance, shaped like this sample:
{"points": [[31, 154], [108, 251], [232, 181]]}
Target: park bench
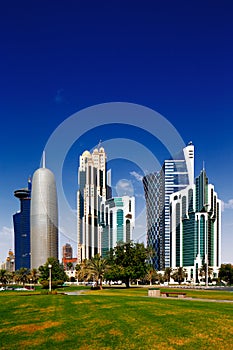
{"points": [[178, 294]]}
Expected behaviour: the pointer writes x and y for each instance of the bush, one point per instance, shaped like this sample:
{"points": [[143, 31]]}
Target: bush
{"points": [[54, 285]]}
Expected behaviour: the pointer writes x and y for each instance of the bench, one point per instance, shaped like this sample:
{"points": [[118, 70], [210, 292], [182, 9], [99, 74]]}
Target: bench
{"points": [[178, 294]]}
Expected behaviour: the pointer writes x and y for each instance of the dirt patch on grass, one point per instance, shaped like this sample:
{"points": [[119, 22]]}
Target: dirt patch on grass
{"points": [[59, 337], [116, 332], [49, 309], [31, 328]]}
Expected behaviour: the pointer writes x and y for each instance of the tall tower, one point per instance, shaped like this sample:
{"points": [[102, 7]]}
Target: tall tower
{"points": [[44, 217], [175, 175], [117, 219], [93, 188], [196, 228], [21, 222]]}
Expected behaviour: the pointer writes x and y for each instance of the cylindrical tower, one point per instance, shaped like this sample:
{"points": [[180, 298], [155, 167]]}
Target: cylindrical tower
{"points": [[44, 218]]}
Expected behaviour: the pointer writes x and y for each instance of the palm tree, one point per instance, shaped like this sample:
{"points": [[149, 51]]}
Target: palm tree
{"points": [[167, 274], [96, 267], [179, 275], [81, 273], [151, 275], [33, 276], [22, 275], [69, 265], [203, 271], [3, 276]]}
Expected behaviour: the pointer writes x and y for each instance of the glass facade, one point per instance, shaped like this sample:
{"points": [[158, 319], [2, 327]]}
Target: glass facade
{"points": [[119, 213], [44, 218], [176, 174], [21, 221], [195, 227]]}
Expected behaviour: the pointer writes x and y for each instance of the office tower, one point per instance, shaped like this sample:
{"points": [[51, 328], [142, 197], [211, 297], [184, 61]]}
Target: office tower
{"points": [[117, 219], [176, 174], [93, 189], [67, 251], [21, 221], [196, 228], [44, 217], [154, 210], [67, 259], [9, 264]]}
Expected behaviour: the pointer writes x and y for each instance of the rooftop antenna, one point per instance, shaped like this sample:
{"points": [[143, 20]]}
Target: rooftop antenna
{"points": [[43, 160], [203, 165], [99, 144]]}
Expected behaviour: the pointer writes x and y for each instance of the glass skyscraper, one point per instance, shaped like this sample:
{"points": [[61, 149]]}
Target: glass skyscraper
{"points": [[21, 221], [196, 228], [117, 219], [93, 189], [175, 175], [44, 217]]}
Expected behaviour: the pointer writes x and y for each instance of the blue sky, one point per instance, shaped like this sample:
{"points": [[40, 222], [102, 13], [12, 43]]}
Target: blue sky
{"points": [[58, 57]]}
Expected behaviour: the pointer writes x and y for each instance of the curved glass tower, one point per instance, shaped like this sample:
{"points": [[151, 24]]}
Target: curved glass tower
{"points": [[44, 217]]}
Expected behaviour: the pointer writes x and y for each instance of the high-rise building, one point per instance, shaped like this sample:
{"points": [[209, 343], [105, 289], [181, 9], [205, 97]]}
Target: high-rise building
{"points": [[175, 175], [93, 189], [196, 228], [44, 217], [67, 251], [67, 259], [21, 221], [117, 220]]}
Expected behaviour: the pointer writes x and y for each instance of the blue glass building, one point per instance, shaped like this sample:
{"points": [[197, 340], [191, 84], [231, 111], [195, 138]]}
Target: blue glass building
{"points": [[175, 174], [21, 221]]}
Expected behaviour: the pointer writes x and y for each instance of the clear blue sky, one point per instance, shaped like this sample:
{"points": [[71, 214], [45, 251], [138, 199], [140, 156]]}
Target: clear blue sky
{"points": [[58, 57]]}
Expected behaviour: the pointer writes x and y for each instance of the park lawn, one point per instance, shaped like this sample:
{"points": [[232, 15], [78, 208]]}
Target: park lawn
{"points": [[190, 293], [113, 319]]}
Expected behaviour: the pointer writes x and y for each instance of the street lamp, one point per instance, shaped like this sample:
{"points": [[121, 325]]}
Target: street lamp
{"points": [[50, 277]]}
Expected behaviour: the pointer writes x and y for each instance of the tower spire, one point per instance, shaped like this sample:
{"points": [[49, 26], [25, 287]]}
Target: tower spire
{"points": [[43, 160]]}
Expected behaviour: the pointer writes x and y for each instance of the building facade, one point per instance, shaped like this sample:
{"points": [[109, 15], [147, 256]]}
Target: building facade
{"points": [[44, 217], [117, 220], [196, 228], [21, 222], [93, 189], [175, 175]]}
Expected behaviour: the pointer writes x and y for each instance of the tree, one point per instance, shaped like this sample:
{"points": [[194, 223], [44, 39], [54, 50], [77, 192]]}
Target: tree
{"points": [[58, 274], [128, 261], [226, 273], [167, 274], [203, 271], [96, 267], [179, 275], [22, 275], [152, 274], [69, 265], [33, 276], [3, 276], [81, 273]]}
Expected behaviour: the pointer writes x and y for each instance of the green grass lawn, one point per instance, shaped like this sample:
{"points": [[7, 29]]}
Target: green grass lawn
{"points": [[114, 318]]}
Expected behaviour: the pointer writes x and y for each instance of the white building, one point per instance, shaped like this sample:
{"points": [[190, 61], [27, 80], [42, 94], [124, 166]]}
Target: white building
{"points": [[117, 220], [196, 228]]}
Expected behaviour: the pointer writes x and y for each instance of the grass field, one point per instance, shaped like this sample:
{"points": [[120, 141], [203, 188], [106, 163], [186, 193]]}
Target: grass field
{"points": [[115, 319]]}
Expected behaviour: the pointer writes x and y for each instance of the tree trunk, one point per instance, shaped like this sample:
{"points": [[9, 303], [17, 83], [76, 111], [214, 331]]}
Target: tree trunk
{"points": [[127, 282]]}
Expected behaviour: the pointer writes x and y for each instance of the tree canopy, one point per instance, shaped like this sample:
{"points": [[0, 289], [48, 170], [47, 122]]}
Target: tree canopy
{"points": [[128, 261], [57, 273], [226, 273]]}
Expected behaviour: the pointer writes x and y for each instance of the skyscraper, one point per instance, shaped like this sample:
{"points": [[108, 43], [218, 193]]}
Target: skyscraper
{"points": [[44, 217], [196, 228], [175, 175], [117, 219], [93, 189], [21, 221]]}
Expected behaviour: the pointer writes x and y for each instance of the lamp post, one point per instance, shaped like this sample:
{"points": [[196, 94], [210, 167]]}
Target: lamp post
{"points": [[50, 277]]}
